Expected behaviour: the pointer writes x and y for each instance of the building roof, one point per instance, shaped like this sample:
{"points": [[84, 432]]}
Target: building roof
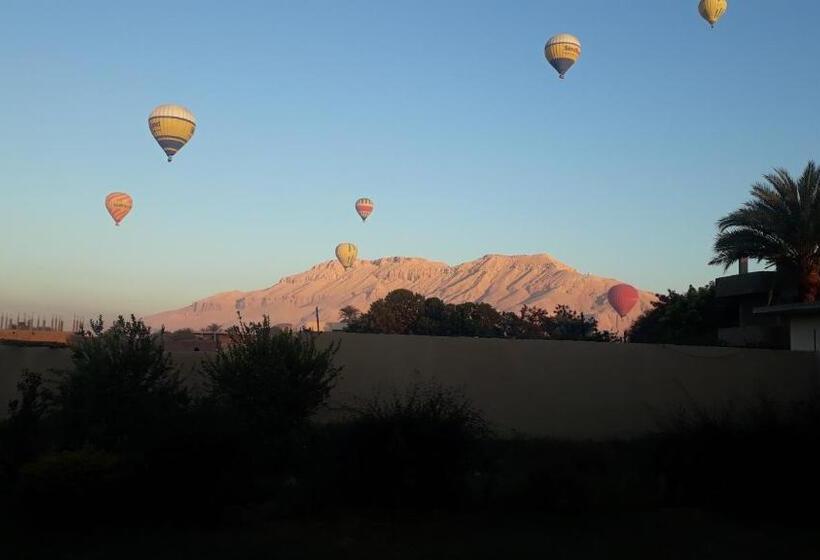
{"points": [[789, 309], [745, 284]]}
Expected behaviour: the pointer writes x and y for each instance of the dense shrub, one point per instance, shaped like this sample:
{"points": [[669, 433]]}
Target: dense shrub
{"points": [[71, 488], [761, 461], [405, 312], [557, 476], [418, 447], [269, 380], [122, 390], [691, 318], [21, 434]]}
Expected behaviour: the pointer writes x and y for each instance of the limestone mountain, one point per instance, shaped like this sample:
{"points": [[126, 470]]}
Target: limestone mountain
{"points": [[505, 282]]}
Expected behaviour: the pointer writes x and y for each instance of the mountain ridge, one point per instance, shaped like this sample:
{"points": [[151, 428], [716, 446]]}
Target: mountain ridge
{"points": [[505, 281]]}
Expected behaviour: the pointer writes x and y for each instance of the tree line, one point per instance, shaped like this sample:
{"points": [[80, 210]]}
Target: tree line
{"points": [[405, 312]]}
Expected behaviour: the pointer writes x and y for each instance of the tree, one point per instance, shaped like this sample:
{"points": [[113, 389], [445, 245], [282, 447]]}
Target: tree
{"points": [[403, 312], [564, 324], [273, 381], [122, 388], [397, 313], [349, 314], [568, 324], [20, 432], [779, 225], [689, 318]]}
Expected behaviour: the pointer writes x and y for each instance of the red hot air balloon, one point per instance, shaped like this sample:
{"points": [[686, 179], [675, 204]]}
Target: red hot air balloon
{"points": [[622, 298], [364, 207]]}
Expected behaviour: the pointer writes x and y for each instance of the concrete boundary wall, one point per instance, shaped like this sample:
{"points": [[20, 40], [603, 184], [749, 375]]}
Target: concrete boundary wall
{"points": [[573, 390]]}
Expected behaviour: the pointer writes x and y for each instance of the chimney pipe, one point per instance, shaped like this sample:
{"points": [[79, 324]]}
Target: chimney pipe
{"points": [[743, 265]]}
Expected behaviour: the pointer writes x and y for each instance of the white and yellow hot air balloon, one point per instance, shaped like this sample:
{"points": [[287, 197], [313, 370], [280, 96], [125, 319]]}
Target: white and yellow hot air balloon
{"points": [[562, 52], [346, 253], [713, 10], [172, 127], [118, 204]]}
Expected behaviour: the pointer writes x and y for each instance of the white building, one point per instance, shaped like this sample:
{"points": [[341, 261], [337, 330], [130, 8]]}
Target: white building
{"points": [[802, 320]]}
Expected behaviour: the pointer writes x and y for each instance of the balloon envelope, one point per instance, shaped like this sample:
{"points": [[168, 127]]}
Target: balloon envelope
{"points": [[364, 207], [172, 126], [713, 10], [622, 298], [118, 204], [346, 253], [562, 52]]}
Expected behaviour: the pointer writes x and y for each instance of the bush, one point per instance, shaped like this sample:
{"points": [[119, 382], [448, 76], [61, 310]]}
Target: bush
{"points": [[413, 448], [271, 381], [557, 476], [72, 488], [21, 435], [761, 461], [122, 391]]}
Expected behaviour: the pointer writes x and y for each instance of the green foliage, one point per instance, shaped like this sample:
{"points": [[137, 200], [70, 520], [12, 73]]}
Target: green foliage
{"points": [[565, 324], [403, 312], [74, 488], [759, 461], [69, 472], [779, 225], [21, 433], [561, 476], [691, 318], [272, 380], [122, 389], [349, 314], [413, 448]]}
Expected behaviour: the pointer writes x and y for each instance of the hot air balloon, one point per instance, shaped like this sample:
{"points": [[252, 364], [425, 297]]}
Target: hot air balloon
{"points": [[364, 206], [118, 204], [172, 127], [622, 298], [346, 253], [713, 10], [562, 51]]}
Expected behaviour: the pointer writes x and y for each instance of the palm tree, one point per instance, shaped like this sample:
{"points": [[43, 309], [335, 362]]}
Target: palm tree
{"points": [[779, 225]]}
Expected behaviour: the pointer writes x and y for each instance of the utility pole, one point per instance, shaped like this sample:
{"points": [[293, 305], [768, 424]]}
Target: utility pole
{"points": [[317, 319]]}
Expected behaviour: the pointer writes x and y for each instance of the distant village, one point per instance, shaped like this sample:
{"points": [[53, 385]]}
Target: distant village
{"points": [[35, 329]]}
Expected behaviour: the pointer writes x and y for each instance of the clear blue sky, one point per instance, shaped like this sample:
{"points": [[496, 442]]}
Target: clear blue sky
{"points": [[445, 113]]}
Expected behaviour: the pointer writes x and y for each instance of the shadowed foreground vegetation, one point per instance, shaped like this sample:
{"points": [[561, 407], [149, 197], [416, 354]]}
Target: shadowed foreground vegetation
{"points": [[116, 449]]}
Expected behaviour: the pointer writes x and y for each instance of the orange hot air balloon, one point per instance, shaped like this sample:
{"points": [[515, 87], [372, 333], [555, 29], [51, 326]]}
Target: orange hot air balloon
{"points": [[118, 204], [622, 298], [364, 207]]}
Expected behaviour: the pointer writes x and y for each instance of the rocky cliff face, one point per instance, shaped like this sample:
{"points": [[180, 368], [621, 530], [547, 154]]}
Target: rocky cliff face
{"points": [[506, 282]]}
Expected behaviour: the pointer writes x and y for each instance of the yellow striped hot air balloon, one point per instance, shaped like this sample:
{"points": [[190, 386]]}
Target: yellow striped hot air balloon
{"points": [[562, 51], [172, 127], [346, 253], [713, 10], [118, 204]]}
